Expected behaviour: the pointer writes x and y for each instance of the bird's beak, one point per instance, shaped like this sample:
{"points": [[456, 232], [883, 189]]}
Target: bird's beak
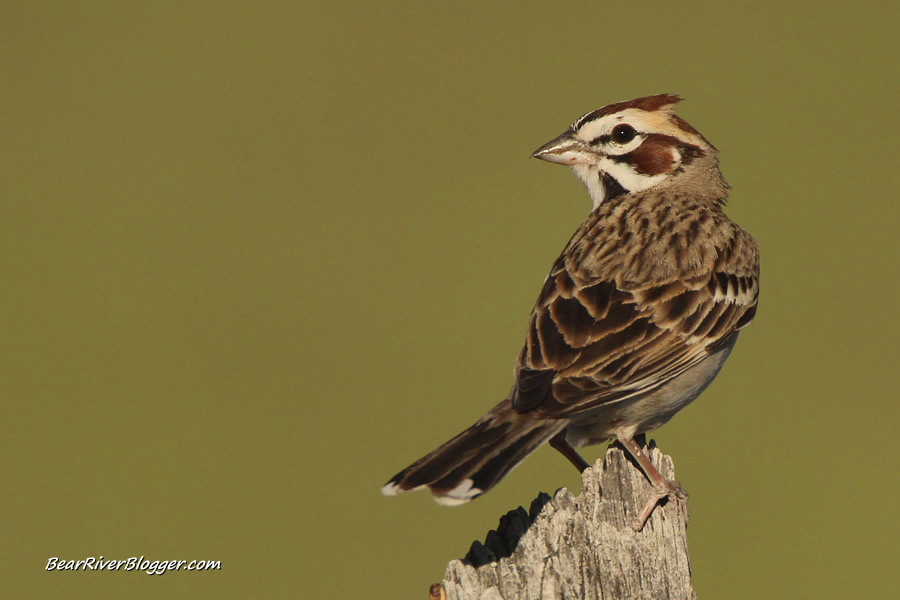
{"points": [[565, 150]]}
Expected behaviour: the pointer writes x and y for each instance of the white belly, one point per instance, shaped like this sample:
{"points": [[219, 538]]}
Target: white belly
{"points": [[646, 413]]}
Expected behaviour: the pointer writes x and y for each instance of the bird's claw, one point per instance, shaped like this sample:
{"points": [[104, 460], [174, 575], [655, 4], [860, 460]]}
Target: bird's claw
{"points": [[667, 489]]}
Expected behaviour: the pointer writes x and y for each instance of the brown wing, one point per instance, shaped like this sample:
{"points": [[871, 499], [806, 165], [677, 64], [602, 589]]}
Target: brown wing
{"points": [[600, 341]]}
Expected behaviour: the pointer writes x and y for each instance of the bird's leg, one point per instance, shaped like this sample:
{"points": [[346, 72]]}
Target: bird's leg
{"points": [[560, 443], [662, 487]]}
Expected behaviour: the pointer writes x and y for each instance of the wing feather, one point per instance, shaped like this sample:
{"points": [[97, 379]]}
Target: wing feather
{"points": [[593, 341]]}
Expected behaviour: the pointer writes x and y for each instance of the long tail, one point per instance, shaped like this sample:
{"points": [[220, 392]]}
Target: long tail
{"points": [[478, 458]]}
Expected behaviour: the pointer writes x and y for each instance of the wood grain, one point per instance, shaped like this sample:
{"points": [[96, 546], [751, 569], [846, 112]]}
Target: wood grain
{"points": [[583, 547]]}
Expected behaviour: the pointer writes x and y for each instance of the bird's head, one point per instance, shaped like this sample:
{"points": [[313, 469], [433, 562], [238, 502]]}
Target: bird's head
{"points": [[632, 146]]}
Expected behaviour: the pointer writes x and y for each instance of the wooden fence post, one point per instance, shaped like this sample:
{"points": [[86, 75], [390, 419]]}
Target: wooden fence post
{"points": [[582, 547]]}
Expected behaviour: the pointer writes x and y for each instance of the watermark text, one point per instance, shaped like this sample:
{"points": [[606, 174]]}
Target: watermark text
{"points": [[155, 567]]}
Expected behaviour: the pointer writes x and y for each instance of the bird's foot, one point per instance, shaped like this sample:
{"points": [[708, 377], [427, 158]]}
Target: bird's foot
{"points": [[667, 489]]}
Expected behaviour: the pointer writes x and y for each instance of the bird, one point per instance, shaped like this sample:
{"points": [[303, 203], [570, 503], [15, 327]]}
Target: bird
{"points": [[636, 316]]}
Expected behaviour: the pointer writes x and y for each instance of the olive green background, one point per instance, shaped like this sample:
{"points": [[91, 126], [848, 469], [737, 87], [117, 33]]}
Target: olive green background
{"points": [[258, 257]]}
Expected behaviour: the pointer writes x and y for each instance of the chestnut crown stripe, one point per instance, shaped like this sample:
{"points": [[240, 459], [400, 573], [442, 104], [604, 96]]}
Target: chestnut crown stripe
{"points": [[659, 102]]}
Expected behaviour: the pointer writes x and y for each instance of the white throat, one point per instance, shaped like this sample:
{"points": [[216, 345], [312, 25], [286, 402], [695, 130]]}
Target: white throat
{"points": [[590, 176]]}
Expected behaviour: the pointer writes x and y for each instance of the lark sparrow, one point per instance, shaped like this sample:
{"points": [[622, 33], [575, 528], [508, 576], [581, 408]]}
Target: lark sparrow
{"points": [[637, 315]]}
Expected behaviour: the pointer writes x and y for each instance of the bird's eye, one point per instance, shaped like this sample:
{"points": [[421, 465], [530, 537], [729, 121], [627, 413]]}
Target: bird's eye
{"points": [[622, 134]]}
